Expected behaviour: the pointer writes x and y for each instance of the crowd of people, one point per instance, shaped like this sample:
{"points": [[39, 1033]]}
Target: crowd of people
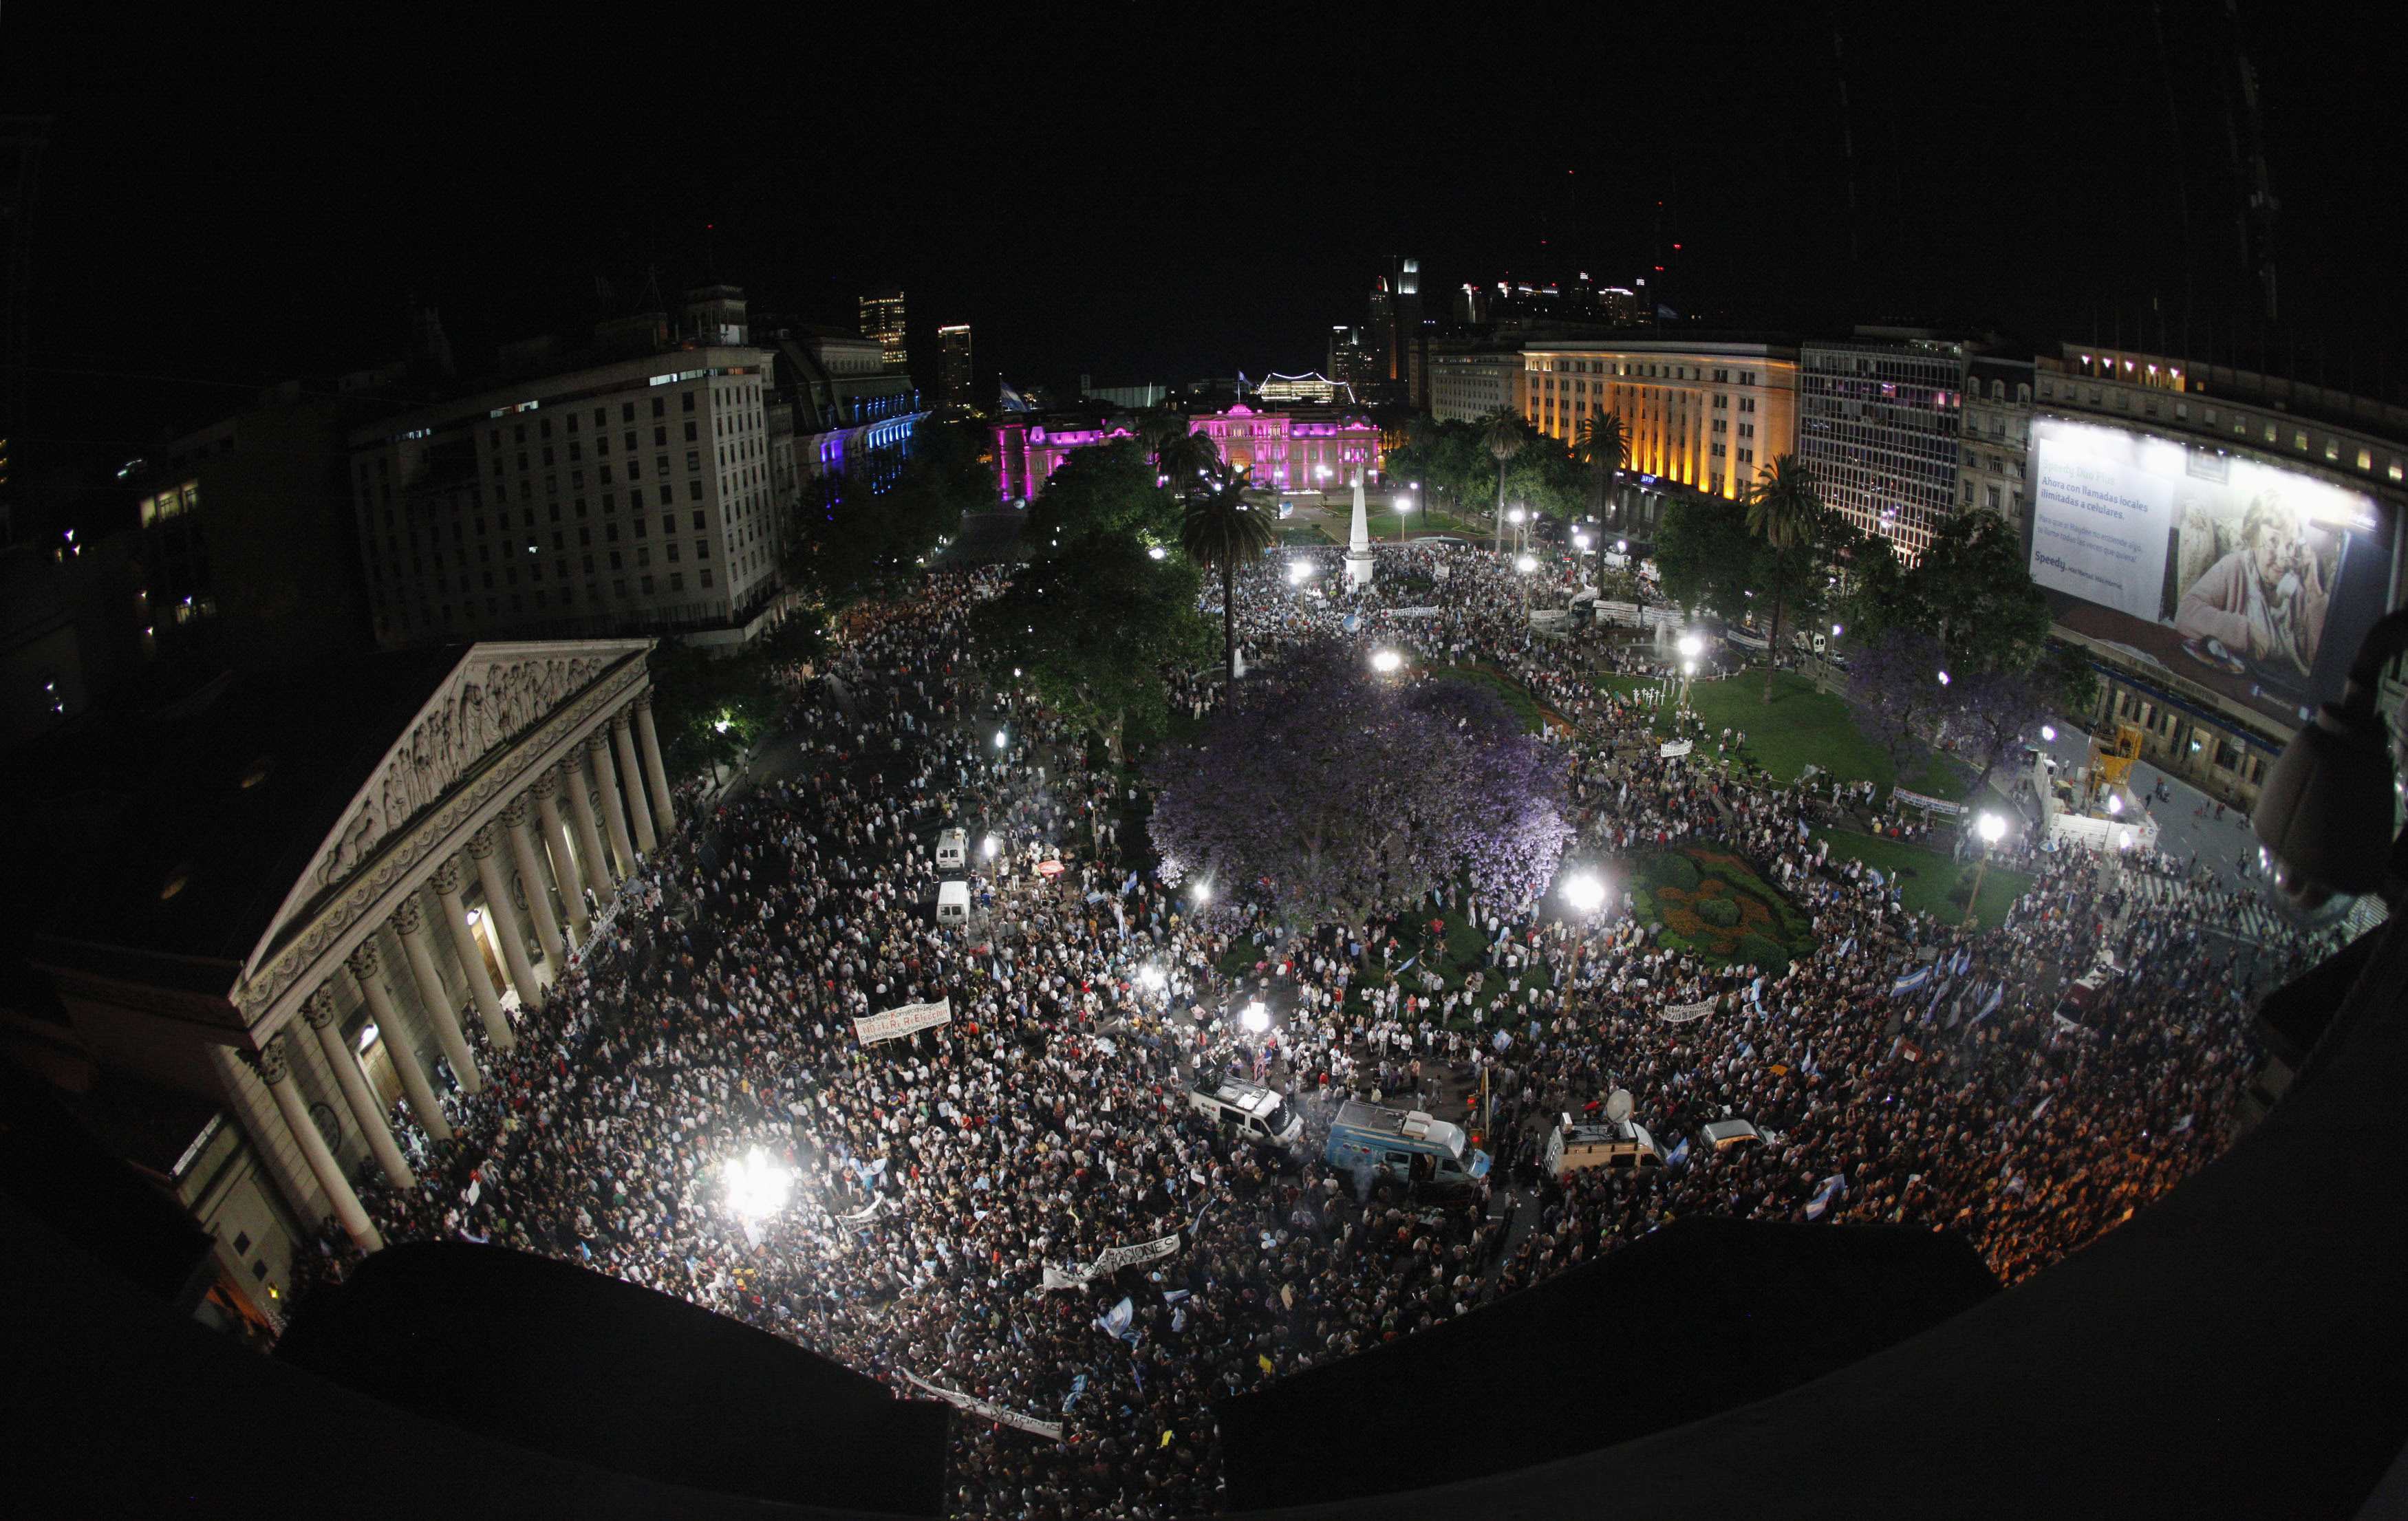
{"points": [[937, 1178]]}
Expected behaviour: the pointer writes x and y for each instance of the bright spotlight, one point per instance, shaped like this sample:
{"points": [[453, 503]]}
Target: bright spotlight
{"points": [[1515, 516], [1584, 892], [1203, 894], [1256, 1019], [2048, 733], [1151, 978], [1524, 564], [988, 846], [999, 739], [1990, 827], [2115, 803], [1943, 678], [1386, 662], [1298, 572], [1688, 667], [756, 1186], [1692, 646], [1155, 551]]}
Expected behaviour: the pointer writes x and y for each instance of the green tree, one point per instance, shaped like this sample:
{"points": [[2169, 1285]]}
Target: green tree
{"points": [[709, 711], [1190, 463], [1604, 447], [1447, 458], [1221, 530], [1504, 435], [848, 538], [1972, 591], [1544, 479], [1705, 555], [1104, 489], [1875, 597], [1093, 629], [1788, 518], [2066, 678]]}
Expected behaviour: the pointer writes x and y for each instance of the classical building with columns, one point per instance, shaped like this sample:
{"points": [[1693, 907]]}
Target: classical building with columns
{"points": [[304, 904]]}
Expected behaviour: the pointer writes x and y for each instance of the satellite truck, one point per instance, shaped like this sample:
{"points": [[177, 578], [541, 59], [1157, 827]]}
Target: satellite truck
{"points": [[1619, 1142], [1404, 1146]]}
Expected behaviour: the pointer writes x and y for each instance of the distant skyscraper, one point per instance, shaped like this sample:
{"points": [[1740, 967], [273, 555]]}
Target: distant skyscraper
{"points": [[1349, 363], [1397, 318], [881, 318], [954, 377]]}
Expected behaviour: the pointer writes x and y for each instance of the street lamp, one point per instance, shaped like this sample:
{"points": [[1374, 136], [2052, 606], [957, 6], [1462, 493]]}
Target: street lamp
{"points": [[1386, 662], [999, 739], [1151, 978], [2048, 733], [1298, 572], [1403, 505], [756, 1186], [1155, 551], [1584, 891], [1203, 894], [988, 846], [1990, 827], [1943, 678], [1255, 1018], [1525, 563], [1691, 646]]}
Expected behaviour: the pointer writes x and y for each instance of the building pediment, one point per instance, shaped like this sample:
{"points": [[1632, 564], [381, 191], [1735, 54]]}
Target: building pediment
{"points": [[496, 695]]}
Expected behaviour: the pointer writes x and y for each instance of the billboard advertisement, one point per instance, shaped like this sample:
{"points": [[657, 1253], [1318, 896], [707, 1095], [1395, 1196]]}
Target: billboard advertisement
{"points": [[2250, 579]]}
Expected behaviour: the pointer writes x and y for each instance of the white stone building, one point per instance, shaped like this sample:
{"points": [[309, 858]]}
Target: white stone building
{"points": [[302, 899]]}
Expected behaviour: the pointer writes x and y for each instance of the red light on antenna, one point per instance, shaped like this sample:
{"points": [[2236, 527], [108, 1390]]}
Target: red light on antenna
{"points": [[1676, 248]]}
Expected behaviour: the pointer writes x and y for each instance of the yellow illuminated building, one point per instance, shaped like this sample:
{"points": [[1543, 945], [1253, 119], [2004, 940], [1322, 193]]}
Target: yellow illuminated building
{"points": [[1704, 415]]}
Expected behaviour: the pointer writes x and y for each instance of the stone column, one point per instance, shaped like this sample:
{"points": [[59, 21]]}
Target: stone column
{"points": [[409, 922], [367, 965], [614, 812], [277, 1075], [546, 792], [318, 1010], [592, 863], [536, 883], [656, 776], [631, 776], [446, 882], [503, 915]]}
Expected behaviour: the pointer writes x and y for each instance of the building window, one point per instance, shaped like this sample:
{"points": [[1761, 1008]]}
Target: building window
{"points": [[706, 575]]}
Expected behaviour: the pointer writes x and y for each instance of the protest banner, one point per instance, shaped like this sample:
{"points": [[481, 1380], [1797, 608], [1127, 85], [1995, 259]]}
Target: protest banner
{"points": [[1681, 1014], [991, 1412], [1111, 1261], [908, 1020]]}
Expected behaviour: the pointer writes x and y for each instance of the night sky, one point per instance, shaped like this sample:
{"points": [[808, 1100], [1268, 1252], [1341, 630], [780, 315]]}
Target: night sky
{"points": [[1152, 193]]}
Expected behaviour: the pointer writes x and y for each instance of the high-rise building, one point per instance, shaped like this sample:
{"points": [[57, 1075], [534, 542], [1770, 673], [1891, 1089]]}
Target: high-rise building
{"points": [[1469, 379], [625, 493], [881, 318], [1878, 418], [1702, 416], [1351, 363], [1397, 320], [1997, 439], [955, 376]]}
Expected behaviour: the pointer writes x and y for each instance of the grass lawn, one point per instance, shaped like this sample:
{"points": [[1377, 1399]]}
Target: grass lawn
{"points": [[1924, 878], [1802, 727], [1455, 953], [1515, 695], [1303, 534], [1382, 526]]}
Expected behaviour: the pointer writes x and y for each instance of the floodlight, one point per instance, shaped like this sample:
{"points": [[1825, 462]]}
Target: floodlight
{"points": [[1584, 892]]}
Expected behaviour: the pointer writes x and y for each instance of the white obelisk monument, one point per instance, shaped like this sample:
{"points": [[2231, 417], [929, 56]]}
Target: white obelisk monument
{"points": [[1359, 541]]}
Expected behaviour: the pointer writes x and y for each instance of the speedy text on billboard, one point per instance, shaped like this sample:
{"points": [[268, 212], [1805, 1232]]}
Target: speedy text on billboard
{"points": [[2245, 577]]}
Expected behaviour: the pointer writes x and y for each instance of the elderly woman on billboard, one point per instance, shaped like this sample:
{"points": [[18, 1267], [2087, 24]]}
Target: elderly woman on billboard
{"points": [[2266, 599]]}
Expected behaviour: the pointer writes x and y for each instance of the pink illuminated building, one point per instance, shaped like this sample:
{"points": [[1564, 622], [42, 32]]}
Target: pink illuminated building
{"points": [[1297, 449]]}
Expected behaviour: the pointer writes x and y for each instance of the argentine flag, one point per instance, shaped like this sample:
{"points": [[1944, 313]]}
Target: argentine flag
{"points": [[1833, 1186], [1680, 1153], [1911, 980]]}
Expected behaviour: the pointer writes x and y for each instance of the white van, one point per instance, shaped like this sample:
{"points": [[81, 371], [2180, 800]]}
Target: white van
{"points": [[953, 903], [1622, 1143], [952, 850], [1246, 1108]]}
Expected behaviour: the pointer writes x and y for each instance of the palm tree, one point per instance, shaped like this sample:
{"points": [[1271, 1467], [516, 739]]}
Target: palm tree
{"points": [[1222, 530], [1605, 449], [1785, 512], [1188, 461], [1505, 434]]}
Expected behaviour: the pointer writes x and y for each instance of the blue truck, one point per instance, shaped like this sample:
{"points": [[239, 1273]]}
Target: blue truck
{"points": [[1403, 1146]]}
